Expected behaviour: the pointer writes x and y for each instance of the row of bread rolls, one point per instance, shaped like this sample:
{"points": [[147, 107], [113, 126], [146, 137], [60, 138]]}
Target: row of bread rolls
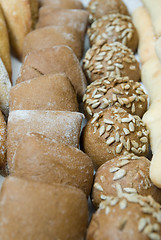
{"points": [[46, 195], [149, 51], [115, 137]]}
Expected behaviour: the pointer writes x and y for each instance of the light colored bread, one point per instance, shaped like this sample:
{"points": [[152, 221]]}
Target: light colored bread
{"points": [[61, 126], [158, 48], [34, 7], [46, 160], [69, 4], [57, 59], [4, 44], [51, 92], [52, 36], [155, 173], [143, 24], [31, 210]]}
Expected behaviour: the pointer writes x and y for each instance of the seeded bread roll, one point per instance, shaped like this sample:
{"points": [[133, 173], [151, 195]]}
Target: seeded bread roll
{"points": [[69, 4], [41, 210], [113, 132], [119, 92], [99, 8], [54, 60], [114, 28], [46, 160], [73, 18], [62, 126], [110, 60], [127, 216], [51, 92], [52, 36], [131, 172]]}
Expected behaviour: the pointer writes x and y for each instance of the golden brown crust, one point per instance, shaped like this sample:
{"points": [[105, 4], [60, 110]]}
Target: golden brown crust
{"points": [[110, 60], [119, 92], [113, 132], [51, 92], [69, 4], [34, 6], [135, 179], [51, 162], [41, 210], [114, 28]]}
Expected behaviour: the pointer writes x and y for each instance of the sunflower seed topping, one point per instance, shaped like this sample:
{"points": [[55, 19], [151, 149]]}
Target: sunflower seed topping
{"points": [[108, 121], [114, 169], [123, 204], [119, 174], [98, 187], [102, 130], [119, 148], [110, 140]]}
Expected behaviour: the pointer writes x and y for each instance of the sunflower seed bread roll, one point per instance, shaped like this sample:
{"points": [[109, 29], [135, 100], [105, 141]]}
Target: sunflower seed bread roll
{"points": [[146, 48]]}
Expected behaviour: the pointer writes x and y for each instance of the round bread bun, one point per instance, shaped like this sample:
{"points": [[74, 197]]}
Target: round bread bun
{"points": [[110, 60], [113, 132], [99, 8], [114, 28], [126, 216], [131, 172], [32, 210], [120, 92], [3, 144]]}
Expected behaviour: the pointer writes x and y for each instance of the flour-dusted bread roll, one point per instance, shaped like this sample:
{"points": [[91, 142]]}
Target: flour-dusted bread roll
{"points": [[155, 173], [110, 60], [158, 48], [146, 34], [99, 8], [131, 172], [126, 216], [46, 160], [57, 59], [113, 132], [47, 92], [74, 18], [31, 210], [4, 44], [61, 126], [5, 87], [154, 9], [52, 36], [18, 15], [69, 4]]}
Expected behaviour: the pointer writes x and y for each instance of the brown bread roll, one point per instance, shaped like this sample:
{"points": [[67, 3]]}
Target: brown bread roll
{"points": [[51, 92], [57, 59], [110, 60], [113, 132], [46, 160], [131, 172], [99, 8], [127, 216], [69, 4], [120, 92], [32, 210], [114, 28], [61, 126], [52, 36]]}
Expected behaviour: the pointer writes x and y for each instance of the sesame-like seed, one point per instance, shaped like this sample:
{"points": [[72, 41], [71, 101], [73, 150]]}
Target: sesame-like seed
{"points": [[148, 229], [95, 105], [156, 227], [123, 204], [130, 190], [117, 137], [148, 210], [114, 169], [121, 66], [110, 140], [107, 210], [116, 91], [134, 150], [99, 58], [108, 121], [133, 108], [144, 148], [102, 130], [119, 190], [135, 144], [108, 128], [128, 144], [94, 92], [126, 131], [121, 101], [119, 148], [123, 163], [110, 68], [144, 140], [132, 67], [126, 120], [103, 197], [119, 174], [124, 40], [154, 236], [141, 98], [89, 111], [98, 96], [139, 134], [131, 127], [142, 224], [98, 187], [114, 201], [100, 66]]}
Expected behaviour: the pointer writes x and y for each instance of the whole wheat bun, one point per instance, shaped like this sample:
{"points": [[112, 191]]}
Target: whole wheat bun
{"points": [[131, 172], [69, 4], [46, 160], [54, 60], [113, 132], [32, 210], [51, 92], [59, 125]]}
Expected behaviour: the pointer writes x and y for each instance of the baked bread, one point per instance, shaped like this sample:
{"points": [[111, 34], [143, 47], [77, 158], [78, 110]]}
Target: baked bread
{"points": [[114, 28], [61, 126], [131, 172], [51, 92], [127, 216], [34, 7], [4, 45], [120, 92], [54, 60], [46, 160], [74, 18], [3, 144], [52, 36], [41, 211], [69, 4], [113, 132], [99, 8], [110, 60], [19, 21]]}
